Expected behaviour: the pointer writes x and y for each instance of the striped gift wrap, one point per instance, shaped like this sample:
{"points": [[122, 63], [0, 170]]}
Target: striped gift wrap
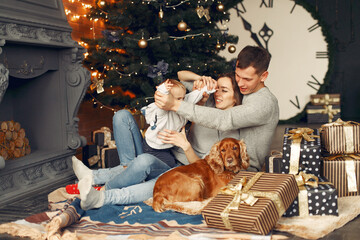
{"points": [[343, 171], [274, 193], [340, 139]]}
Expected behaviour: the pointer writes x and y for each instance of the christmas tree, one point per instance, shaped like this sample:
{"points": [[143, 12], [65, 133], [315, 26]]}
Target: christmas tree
{"points": [[148, 41]]}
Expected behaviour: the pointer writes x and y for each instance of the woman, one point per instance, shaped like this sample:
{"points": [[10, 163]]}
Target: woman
{"points": [[135, 182]]}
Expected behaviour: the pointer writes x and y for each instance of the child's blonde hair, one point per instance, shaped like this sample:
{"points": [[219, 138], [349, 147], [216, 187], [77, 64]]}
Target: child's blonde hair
{"points": [[177, 83]]}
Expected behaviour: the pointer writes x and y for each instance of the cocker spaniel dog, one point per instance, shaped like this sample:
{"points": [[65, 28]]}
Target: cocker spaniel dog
{"points": [[203, 178]]}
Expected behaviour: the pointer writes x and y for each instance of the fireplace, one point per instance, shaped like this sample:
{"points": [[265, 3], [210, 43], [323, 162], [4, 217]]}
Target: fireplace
{"points": [[46, 86]]}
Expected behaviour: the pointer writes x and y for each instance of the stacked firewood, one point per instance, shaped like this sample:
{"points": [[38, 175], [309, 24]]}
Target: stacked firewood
{"points": [[13, 141]]}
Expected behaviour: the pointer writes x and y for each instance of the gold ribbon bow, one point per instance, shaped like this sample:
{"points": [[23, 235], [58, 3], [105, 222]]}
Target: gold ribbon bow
{"points": [[340, 122], [201, 12], [303, 179], [98, 84], [299, 133], [296, 135], [243, 195]]}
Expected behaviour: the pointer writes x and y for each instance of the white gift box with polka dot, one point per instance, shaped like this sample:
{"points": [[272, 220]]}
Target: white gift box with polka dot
{"points": [[321, 200], [310, 154]]}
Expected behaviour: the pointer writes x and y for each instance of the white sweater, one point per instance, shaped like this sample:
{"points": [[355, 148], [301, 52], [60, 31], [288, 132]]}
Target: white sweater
{"points": [[160, 119]]}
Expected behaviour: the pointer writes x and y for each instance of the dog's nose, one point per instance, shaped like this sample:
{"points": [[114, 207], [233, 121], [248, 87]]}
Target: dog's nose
{"points": [[230, 160]]}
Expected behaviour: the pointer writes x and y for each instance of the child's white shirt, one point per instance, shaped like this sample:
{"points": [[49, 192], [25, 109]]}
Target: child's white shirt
{"points": [[160, 119]]}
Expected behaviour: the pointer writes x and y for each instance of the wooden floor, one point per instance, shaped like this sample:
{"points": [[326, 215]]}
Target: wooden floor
{"points": [[37, 204]]}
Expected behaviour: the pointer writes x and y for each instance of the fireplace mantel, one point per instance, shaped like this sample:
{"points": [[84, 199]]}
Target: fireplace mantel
{"points": [[47, 83]]}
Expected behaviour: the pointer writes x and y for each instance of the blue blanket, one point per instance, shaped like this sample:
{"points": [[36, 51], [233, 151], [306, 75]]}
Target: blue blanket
{"points": [[135, 213]]}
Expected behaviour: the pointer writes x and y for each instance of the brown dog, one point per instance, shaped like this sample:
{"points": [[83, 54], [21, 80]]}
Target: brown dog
{"points": [[203, 178]]}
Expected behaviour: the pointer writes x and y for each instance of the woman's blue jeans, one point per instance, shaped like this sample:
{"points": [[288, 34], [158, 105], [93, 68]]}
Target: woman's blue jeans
{"points": [[134, 183]]}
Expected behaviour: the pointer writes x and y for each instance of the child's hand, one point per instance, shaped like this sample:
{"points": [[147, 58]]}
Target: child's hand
{"points": [[168, 85], [205, 81]]}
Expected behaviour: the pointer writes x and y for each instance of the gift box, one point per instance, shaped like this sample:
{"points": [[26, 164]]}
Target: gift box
{"points": [[343, 171], [316, 196], [340, 137], [251, 202], [322, 114], [102, 136], [325, 99], [273, 162], [301, 151], [88, 151], [109, 157]]}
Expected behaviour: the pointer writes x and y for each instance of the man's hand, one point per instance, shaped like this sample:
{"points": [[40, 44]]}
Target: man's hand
{"points": [[166, 101]]}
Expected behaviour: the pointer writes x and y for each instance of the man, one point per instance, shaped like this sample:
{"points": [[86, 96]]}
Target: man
{"points": [[256, 118]]}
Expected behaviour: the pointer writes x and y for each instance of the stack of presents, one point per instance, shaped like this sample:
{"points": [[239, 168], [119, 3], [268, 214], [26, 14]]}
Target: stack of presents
{"points": [[323, 108], [314, 169], [102, 152]]}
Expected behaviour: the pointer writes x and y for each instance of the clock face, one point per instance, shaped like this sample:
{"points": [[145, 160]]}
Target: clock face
{"points": [[299, 57]]}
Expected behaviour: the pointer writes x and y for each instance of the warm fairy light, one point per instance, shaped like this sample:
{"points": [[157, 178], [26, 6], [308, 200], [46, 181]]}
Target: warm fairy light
{"points": [[94, 74], [86, 5], [67, 11]]}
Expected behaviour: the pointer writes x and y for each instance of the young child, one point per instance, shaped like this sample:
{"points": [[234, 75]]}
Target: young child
{"points": [[159, 119]]}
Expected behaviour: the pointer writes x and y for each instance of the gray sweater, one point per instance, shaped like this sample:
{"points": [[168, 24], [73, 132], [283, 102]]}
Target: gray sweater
{"points": [[256, 120]]}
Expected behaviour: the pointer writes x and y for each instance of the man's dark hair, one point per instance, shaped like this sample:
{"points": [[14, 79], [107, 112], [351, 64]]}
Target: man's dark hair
{"points": [[256, 57]]}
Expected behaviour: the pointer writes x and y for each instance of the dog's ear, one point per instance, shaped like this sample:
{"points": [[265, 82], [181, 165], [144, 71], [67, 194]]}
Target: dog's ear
{"points": [[245, 159], [214, 159]]}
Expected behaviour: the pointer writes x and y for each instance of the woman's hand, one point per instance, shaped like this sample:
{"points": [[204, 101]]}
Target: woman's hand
{"points": [[173, 137]]}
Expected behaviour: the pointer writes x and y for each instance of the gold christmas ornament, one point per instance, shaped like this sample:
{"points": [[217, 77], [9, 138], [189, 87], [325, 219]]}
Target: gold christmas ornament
{"points": [[182, 26], [218, 46], [142, 43], [232, 49], [220, 7]]}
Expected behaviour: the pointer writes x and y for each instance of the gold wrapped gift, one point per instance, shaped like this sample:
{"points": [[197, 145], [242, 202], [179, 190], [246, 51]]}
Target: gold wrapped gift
{"points": [[344, 172], [252, 202], [341, 137]]}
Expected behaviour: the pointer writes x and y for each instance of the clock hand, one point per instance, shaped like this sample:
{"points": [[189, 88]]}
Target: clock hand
{"points": [[247, 27], [266, 33]]}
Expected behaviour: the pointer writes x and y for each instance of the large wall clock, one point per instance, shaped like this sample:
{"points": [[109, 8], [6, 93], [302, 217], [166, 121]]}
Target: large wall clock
{"points": [[295, 41]]}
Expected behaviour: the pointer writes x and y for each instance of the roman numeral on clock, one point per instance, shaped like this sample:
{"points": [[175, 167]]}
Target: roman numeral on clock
{"points": [[323, 54], [314, 85], [242, 9], [313, 27], [267, 3], [297, 104], [292, 9]]}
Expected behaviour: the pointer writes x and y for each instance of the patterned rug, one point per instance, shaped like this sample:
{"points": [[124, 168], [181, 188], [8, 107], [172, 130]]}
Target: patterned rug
{"points": [[139, 221]]}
